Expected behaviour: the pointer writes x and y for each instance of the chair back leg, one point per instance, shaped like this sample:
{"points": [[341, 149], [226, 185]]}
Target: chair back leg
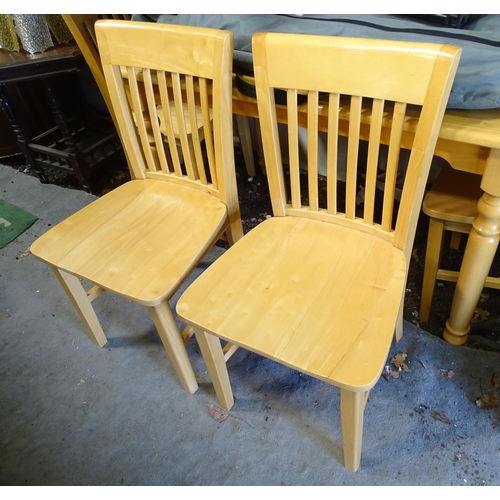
{"points": [[80, 300], [215, 361]]}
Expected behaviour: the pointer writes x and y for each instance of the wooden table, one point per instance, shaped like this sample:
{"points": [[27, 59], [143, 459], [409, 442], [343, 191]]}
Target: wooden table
{"points": [[469, 141], [75, 144]]}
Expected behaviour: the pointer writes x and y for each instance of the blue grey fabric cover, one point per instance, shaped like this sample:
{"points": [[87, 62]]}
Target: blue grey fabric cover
{"points": [[477, 83]]}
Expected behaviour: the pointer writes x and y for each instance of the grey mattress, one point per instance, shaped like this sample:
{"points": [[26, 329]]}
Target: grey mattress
{"points": [[477, 83]]}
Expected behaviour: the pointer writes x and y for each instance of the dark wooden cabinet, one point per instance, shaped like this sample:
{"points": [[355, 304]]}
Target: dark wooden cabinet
{"points": [[50, 116]]}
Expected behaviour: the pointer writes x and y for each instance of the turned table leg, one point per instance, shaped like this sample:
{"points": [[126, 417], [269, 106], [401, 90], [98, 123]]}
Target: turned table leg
{"points": [[479, 253]]}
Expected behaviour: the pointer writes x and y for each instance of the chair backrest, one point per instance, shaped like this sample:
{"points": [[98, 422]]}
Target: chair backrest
{"points": [[382, 92], [164, 81], [83, 31]]}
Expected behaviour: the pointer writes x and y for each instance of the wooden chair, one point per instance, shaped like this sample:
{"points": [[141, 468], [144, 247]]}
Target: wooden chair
{"points": [[143, 239], [318, 288], [451, 205], [83, 31]]}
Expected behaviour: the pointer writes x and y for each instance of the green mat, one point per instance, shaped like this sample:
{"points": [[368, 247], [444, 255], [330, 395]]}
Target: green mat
{"points": [[13, 222]]}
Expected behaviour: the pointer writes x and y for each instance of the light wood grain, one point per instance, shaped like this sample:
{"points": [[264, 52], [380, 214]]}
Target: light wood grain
{"points": [[470, 142], [317, 288], [82, 27], [262, 295], [451, 205], [142, 239], [213, 354], [81, 302], [166, 326], [352, 407], [207, 55], [482, 245], [453, 196]]}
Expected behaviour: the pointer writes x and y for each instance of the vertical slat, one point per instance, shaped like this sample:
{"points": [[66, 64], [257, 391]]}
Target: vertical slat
{"points": [[271, 145], [207, 127], [150, 99], [167, 116], [372, 160], [137, 109], [293, 147], [332, 152], [312, 149], [181, 125], [352, 156], [198, 166], [392, 164]]}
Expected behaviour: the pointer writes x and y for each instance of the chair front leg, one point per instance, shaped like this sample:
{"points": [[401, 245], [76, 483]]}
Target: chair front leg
{"points": [[352, 407], [171, 338], [78, 297], [213, 355]]}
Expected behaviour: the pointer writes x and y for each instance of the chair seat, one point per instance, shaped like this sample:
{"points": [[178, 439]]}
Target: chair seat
{"points": [[453, 196], [140, 240], [311, 295]]}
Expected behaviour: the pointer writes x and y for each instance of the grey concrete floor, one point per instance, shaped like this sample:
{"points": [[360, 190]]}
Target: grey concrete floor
{"points": [[74, 414]]}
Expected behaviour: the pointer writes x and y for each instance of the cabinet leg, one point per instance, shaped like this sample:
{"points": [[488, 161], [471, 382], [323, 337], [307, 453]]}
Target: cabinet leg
{"points": [[21, 137], [76, 158]]}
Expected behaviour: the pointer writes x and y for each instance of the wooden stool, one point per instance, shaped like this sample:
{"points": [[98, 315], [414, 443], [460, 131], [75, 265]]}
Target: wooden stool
{"points": [[451, 205]]}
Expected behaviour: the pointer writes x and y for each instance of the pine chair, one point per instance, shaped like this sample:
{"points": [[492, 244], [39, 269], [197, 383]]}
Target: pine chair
{"points": [[83, 30], [318, 288], [451, 205], [143, 239]]}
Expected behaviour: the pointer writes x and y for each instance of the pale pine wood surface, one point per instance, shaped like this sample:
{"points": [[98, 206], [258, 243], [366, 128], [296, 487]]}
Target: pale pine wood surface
{"points": [[175, 125], [470, 142], [320, 288], [82, 27], [352, 407], [337, 74], [475, 126], [150, 85], [78, 296], [451, 204], [425, 124], [453, 197], [482, 245], [140, 240], [317, 297]]}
